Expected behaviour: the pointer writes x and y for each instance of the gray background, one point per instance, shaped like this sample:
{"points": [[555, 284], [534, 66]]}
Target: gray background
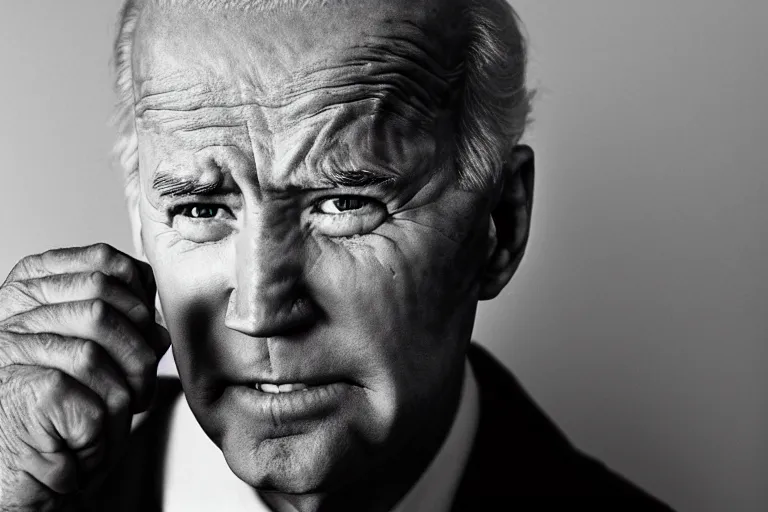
{"points": [[638, 319]]}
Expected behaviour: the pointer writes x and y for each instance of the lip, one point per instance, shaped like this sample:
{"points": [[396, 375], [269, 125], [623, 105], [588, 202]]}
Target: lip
{"points": [[311, 380], [314, 402]]}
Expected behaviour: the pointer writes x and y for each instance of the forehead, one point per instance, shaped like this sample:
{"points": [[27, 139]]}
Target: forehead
{"points": [[272, 56], [370, 75]]}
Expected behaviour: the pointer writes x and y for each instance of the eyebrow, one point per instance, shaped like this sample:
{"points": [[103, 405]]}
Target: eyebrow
{"points": [[358, 177], [173, 185], [168, 184]]}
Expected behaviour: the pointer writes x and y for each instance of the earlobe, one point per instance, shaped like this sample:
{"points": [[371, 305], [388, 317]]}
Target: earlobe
{"points": [[510, 221]]}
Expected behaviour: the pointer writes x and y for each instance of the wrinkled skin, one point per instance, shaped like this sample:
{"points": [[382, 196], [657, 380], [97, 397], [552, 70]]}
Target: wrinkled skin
{"points": [[78, 354], [304, 224]]}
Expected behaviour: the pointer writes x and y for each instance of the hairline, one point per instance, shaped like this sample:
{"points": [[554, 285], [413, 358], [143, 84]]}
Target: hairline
{"points": [[492, 111]]}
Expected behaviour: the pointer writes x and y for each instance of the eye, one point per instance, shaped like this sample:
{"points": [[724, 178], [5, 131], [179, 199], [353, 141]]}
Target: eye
{"points": [[201, 222], [347, 215], [199, 211], [342, 204]]}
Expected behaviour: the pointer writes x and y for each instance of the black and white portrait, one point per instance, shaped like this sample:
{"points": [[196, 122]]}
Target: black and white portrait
{"points": [[383, 255]]}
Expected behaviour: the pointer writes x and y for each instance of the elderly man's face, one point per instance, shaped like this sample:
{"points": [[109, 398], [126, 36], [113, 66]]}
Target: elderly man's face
{"points": [[306, 229]]}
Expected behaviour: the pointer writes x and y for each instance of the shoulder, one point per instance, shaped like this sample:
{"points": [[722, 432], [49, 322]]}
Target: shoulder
{"points": [[519, 453]]}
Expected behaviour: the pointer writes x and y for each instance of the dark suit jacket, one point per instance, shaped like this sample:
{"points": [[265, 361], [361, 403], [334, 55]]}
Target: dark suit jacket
{"points": [[520, 460]]}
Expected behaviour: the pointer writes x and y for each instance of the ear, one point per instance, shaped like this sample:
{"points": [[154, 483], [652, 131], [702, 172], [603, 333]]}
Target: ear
{"points": [[510, 222], [135, 218], [138, 245]]}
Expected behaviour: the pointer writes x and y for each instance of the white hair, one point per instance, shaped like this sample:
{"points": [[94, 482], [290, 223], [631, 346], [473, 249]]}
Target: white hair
{"points": [[492, 110]]}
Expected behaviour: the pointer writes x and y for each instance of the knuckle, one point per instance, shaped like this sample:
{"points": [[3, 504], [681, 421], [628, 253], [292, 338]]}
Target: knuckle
{"points": [[95, 415], [78, 416], [102, 253], [99, 311], [52, 384], [110, 259], [118, 398], [89, 356], [124, 267], [85, 419], [99, 281], [142, 361], [54, 379]]}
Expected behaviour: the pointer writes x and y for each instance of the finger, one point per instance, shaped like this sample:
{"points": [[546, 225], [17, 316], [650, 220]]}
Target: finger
{"points": [[24, 295], [160, 340], [29, 493], [97, 321], [56, 471], [32, 293], [65, 419], [83, 360], [102, 257]]}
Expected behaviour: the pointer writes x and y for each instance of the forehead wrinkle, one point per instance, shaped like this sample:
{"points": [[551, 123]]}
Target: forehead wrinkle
{"points": [[398, 92], [175, 89], [388, 48], [178, 121], [350, 146], [354, 137], [310, 94], [199, 89], [396, 64], [394, 70]]}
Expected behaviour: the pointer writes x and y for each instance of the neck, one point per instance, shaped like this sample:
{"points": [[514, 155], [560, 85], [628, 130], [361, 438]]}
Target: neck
{"points": [[382, 489]]}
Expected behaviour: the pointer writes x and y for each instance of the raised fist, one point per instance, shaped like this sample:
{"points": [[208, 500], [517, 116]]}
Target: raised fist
{"points": [[79, 349]]}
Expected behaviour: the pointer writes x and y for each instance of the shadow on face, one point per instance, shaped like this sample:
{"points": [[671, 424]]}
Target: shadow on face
{"points": [[317, 264]]}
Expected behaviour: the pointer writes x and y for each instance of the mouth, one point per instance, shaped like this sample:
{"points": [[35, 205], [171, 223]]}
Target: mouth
{"points": [[301, 384], [280, 403], [276, 389]]}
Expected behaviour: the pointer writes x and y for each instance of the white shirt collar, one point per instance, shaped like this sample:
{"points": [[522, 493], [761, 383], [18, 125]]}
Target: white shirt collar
{"points": [[197, 478]]}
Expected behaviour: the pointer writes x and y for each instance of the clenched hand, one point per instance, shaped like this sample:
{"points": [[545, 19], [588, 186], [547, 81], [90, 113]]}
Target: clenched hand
{"points": [[78, 356]]}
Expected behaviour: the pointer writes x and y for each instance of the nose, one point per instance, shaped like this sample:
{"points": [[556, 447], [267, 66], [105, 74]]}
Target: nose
{"points": [[268, 298]]}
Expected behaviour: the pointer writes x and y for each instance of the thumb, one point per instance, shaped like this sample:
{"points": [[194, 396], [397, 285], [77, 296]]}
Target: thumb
{"points": [[56, 471]]}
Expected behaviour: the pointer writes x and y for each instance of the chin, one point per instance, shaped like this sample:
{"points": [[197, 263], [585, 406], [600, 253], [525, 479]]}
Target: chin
{"points": [[305, 463]]}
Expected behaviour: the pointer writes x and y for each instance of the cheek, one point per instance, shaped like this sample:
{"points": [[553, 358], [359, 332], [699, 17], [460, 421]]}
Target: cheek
{"points": [[193, 292], [401, 313], [402, 297], [192, 280]]}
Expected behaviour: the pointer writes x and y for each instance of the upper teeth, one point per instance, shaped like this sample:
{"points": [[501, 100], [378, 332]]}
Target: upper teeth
{"points": [[282, 388]]}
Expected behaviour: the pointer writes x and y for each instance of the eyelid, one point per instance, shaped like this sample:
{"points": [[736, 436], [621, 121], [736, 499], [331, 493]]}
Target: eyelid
{"points": [[207, 199], [360, 221], [176, 210], [366, 199]]}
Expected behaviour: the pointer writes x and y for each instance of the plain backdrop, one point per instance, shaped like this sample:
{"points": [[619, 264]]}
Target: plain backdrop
{"points": [[639, 317]]}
